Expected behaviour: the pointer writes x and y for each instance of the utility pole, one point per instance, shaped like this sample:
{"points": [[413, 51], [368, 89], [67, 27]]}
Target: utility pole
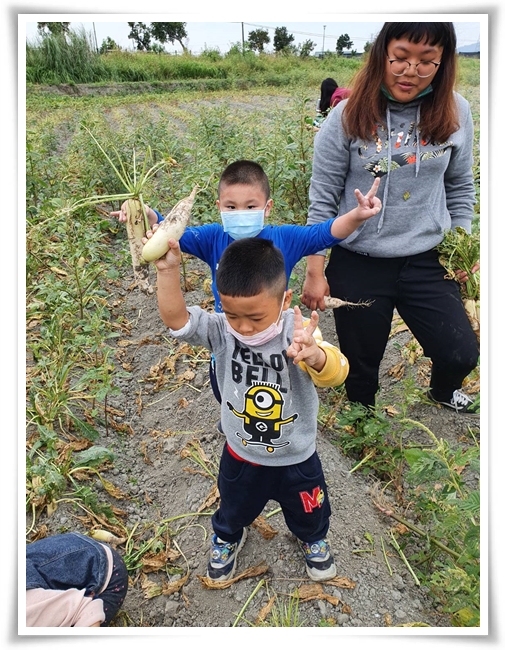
{"points": [[96, 42], [242, 39], [324, 30]]}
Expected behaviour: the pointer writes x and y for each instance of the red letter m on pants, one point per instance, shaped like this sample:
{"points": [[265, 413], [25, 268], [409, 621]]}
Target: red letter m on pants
{"points": [[311, 501]]}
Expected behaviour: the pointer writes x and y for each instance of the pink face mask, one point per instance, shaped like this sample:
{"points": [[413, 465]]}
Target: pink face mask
{"points": [[260, 338]]}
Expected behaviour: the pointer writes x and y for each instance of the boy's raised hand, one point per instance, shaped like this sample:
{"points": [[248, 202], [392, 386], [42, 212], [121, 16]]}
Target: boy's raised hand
{"points": [[369, 204], [304, 346], [345, 224], [171, 303]]}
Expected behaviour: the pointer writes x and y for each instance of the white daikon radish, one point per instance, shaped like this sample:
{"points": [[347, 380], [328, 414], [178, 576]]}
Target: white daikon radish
{"points": [[172, 227], [335, 303]]}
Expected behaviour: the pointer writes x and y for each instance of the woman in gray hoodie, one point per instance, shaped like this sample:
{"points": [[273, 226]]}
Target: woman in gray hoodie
{"points": [[404, 123]]}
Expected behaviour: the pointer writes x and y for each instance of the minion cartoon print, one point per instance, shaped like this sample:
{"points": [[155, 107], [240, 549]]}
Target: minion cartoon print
{"points": [[262, 416]]}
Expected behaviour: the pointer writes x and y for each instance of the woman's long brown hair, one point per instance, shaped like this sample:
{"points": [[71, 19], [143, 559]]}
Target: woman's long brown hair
{"points": [[366, 107]]}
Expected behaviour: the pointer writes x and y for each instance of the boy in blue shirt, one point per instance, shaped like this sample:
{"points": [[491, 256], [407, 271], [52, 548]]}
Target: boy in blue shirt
{"points": [[244, 202]]}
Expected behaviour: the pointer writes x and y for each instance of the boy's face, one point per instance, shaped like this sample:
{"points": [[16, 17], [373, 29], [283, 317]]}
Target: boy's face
{"points": [[241, 196], [253, 314]]}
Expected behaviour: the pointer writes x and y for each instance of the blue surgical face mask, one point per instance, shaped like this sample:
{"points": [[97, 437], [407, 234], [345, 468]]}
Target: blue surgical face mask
{"points": [[243, 223]]}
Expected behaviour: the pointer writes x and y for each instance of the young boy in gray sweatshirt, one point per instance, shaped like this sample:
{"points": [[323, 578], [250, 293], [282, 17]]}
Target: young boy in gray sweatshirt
{"points": [[267, 366]]}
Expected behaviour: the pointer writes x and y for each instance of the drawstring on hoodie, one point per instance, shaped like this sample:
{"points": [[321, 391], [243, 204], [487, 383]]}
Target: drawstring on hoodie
{"points": [[417, 138], [386, 188]]}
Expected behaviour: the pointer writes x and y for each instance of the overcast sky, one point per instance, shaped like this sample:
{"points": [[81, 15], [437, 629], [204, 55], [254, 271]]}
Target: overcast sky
{"points": [[212, 34]]}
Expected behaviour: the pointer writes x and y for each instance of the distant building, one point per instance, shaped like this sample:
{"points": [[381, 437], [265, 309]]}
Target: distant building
{"points": [[348, 54], [351, 53], [472, 51]]}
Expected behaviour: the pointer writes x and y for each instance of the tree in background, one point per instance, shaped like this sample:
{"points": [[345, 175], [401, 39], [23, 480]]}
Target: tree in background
{"points": [[306, 48], [141, 34], [169, 32], [367, 47], [343, 43], [282, 40], [53, 28], [237, 48], [257, 39], [108, 44]]}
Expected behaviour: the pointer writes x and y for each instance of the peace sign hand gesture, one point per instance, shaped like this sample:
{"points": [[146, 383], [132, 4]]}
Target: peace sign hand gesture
{"points": [[304, 346], [369, 204]]}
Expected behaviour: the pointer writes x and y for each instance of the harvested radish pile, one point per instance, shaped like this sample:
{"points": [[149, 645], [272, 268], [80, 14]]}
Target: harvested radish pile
{"points": [[460, 251]]}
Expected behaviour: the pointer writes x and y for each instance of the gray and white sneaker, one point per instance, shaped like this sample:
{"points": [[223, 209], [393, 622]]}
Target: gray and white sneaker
{"points": [[459, 402]]}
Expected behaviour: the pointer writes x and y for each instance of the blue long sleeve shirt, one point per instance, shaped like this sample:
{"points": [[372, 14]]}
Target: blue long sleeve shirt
{"points": [[209, 241]]}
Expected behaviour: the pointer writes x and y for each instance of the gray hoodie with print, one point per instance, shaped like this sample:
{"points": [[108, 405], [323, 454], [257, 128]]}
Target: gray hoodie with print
{"points": [[269, 405], [426, 188]]}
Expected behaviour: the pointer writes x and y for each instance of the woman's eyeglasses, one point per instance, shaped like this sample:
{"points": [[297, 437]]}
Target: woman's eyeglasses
{"points": [[423, 69]]}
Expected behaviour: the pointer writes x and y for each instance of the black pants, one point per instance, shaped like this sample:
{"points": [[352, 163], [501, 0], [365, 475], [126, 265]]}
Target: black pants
{"points": [[430, 305], [245, 489]]}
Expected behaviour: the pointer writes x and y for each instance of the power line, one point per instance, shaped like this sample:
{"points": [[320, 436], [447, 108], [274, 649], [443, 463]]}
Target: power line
{"points": [[461, 37], [357, 38]]}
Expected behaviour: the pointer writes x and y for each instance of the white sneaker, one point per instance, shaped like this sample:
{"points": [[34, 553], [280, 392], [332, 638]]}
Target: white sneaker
{"points": [[459, 402]]}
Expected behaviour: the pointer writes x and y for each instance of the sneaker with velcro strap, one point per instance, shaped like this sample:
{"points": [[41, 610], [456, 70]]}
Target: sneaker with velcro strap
{"points": [[319, 560], [459, 402], [223, 557]]}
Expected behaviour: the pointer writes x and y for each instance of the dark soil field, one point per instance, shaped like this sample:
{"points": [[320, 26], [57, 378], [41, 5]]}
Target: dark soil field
{"points": [[166, 414]]}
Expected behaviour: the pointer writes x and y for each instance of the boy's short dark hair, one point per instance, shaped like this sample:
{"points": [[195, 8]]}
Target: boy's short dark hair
{"points": [[246, 172], [249, 266]]}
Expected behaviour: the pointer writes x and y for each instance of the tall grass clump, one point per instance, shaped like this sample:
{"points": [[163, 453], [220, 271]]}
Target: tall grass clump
{"points": [[63, 59], [126, 66], [71, 58], [147, 66]]}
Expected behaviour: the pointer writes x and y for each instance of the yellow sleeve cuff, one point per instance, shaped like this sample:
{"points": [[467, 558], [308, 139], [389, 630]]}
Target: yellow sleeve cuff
{"points": [[334, 371]]}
